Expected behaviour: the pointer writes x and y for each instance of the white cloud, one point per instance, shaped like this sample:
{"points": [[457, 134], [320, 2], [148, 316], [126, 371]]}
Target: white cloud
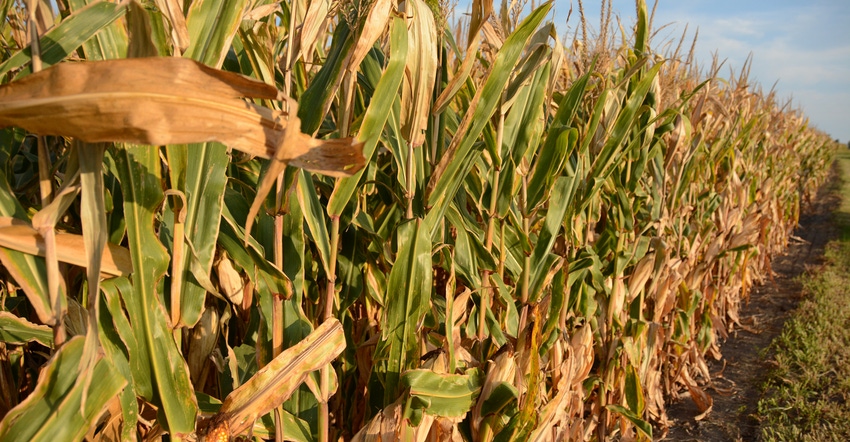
{"points": [[800, 49]]}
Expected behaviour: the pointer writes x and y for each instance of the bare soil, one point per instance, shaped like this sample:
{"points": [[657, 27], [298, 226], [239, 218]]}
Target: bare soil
{"points": [[746, 354]]}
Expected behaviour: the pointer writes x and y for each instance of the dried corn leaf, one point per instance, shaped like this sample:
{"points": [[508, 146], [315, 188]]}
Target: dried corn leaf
{"points": [[420, 71], [275, 382], [315, 20], [23, 238], [165, 101], [173, 13], [383, 427], [502, 369], [703, 400], [390, 426], [373, 28]]}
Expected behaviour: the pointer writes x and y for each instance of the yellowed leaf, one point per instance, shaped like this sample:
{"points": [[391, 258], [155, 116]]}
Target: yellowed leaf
{"points": [[390, 426], [262, 11], [460, 76]]}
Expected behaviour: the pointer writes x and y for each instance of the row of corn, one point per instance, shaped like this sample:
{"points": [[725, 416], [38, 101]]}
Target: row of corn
{"points": [[388, 227]]}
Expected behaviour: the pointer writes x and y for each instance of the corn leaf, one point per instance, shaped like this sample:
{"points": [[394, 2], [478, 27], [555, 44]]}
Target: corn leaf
{"points": [[406, 300], [212, 24], [447, 395], [140, 181], [201, 178], [641, 424], [56, 410], [165, 101], [376, 115], [65, 38], [118, 342], [93, 214], [456, 163], [109, 43], [317, 99], [270, 386], [19, 331], [115, 260], [421, 68], [314, 217], [172, 13]]}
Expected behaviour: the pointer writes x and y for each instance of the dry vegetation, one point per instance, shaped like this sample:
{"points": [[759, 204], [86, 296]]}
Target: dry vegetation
{"points": [[388, 227]]}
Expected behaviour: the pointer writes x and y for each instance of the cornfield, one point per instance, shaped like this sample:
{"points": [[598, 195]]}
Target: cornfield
{"points": [[366, 220]]}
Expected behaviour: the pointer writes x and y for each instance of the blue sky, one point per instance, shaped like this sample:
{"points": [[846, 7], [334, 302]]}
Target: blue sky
{"points": [[802, 46]]}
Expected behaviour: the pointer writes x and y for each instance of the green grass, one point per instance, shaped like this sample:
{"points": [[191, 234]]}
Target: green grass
{"points": [[807, 397]]}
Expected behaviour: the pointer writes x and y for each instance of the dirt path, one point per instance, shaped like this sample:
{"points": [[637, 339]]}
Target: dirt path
{"points": [[736, 391]]}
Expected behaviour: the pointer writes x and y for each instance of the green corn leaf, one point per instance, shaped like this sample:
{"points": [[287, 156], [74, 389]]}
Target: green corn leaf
{"points": [[501, 399], [114, 201], [447, 395], [30, 273], [572, 100], [113, 291], [634, 391], [406, 300], [93, 212], [56, 410], [5, 5], [294, 429], [376, 115], [549, 163], [541, 261], [199, 171], [316, 101], [314, 217], [118, 341], [109, 43], [522, 130], [641, 424], [65, 38], [212, 25], [139, 170], [19, 331], [642, 29], [529, 68], [551, 332], [465, 262], [613, 149], [456, 163]]}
